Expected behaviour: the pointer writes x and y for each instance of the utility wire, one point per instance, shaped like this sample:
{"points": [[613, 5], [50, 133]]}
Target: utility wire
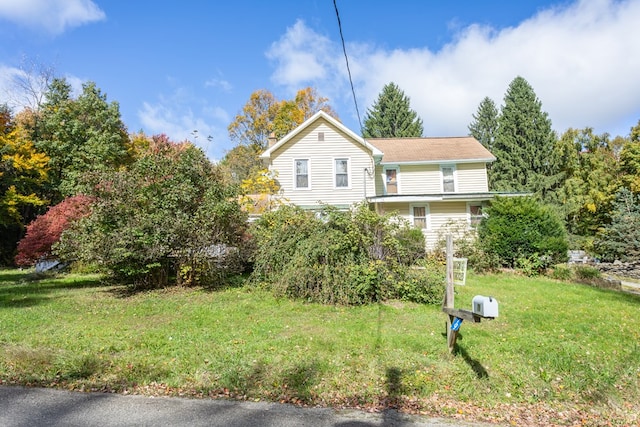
{"points": [[346, 58]]}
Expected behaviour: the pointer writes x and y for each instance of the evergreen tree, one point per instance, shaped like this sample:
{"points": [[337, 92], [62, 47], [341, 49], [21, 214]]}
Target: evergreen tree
{"points": [[485, 123], [621, 238], [391, 116], [524, 144]]}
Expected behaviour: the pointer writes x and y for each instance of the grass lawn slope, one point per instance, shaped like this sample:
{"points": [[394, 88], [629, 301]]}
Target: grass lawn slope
{"points": [[558, 354]]}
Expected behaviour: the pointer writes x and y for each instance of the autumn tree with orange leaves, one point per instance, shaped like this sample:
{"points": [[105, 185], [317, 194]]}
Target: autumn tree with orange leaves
{"points": [[263, 115]]}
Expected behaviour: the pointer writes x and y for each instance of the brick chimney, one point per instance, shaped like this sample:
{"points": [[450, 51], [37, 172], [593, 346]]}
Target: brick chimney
{"points": [[272, 139]]}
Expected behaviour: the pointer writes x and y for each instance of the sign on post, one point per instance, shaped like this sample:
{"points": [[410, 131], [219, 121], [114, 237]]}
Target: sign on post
{"points": [[459, 271]]}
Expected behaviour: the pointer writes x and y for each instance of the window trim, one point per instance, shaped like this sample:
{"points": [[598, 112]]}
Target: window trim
{"points": [[470, 218], [295, 175], [335, 174], [384, 178], [427, 213], [455, 178]]}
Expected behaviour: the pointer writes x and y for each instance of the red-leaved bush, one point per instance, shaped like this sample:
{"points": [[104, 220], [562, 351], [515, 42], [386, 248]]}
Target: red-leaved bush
{"points": [[46, 229]]}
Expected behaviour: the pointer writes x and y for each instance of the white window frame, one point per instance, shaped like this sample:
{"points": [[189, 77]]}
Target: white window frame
{"points": [[384, 177], [335, 174], [427, 213], [455, 178], [295, 175]]}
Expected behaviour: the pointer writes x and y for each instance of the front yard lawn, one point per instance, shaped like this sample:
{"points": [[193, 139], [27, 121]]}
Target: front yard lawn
{"points": [[559, 353]]}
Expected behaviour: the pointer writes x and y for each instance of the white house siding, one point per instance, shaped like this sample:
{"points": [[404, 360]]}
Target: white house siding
{"points": [[321, 156], [420, 179], [401, 209], [441, 214], [472, 178]]}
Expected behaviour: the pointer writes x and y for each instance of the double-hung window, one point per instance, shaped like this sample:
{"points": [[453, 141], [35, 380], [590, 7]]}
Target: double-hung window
{"points": [[391, 181], [301, 173], [420, 216], [342, 173], [475, 214], [448, 179]]}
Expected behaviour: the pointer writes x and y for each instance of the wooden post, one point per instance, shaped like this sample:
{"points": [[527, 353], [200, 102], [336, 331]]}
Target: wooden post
{"points": [[449, 298]]}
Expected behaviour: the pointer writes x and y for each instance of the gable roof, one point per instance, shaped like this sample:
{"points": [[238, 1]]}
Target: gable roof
{"points": [[335, 123], [464, 149]]}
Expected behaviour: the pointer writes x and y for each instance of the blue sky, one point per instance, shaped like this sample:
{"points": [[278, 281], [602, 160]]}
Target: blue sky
{"points": [[175, 67]]}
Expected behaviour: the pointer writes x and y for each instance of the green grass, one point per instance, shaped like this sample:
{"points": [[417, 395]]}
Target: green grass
{"points": [[558, 348]]}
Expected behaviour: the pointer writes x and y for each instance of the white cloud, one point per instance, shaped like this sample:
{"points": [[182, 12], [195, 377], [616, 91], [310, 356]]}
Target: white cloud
{"points": [[175, 117], [8, 94], [219, 83], [582, 60], [301, 55], [54, 16]]}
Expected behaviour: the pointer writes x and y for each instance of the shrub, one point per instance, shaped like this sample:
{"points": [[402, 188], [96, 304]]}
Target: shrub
{"points": [[586, 272], [45, 230], [561, 272], [170, 214], [521, 228], [466, 245], [337, 257], [423, 284]]}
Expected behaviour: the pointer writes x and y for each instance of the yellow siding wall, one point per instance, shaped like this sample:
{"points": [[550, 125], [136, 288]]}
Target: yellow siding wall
{"points": [[321, 155], [441, 214], [426, 179], [472, 178]]}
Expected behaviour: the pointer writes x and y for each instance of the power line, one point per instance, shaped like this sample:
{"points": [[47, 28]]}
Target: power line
{"points": [[346, 58]]}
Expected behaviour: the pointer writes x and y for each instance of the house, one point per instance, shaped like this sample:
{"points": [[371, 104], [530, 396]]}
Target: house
{"points": [[429, 181]]}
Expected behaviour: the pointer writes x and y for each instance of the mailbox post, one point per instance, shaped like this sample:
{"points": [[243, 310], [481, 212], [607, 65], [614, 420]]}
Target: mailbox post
{"points": [[482, 307]]}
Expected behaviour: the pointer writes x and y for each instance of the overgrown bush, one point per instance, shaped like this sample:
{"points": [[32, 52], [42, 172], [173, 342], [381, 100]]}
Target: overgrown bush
{"points": [[466, 245], [422, 284], [521, 229], [43, 232], [561, 272], [169, 215], [586, 272], [339, 257]]}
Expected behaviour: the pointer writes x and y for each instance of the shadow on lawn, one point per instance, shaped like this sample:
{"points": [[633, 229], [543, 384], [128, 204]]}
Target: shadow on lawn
{"points": [[477, 367], [25, 289]]}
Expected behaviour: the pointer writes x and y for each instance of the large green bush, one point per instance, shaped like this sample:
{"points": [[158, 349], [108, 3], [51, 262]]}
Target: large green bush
{"points": [[169, 216], [523, 231], [340, 257]]}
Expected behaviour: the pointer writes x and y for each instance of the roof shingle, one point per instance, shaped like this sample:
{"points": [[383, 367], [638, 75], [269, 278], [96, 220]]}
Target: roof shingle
{"points": [[418, 150]]}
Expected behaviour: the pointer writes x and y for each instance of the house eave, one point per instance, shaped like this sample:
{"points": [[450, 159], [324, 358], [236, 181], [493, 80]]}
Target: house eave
{"points": [[439, 162], [440, 197]]}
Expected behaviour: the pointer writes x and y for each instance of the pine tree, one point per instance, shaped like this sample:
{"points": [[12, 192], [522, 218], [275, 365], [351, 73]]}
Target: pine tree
{"points": [[524, 144], [391, 116], [485, 123]]}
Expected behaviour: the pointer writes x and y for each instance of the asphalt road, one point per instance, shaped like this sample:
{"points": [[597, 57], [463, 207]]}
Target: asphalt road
{"points": [[36, 407]]}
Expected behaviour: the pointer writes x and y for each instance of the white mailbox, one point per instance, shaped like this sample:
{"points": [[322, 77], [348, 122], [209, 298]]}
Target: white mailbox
{"points": [[485, 306]]}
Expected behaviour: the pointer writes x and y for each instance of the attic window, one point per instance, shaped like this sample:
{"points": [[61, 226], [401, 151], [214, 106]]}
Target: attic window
{"points": [[320, 136]]}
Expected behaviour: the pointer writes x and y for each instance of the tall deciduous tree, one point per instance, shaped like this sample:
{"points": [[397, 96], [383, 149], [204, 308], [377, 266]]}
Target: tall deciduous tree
{"points": [[79, 135], [524, 144], [264, 116], [391, 116], [485, 123], [23, 174], [589, 170]]}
